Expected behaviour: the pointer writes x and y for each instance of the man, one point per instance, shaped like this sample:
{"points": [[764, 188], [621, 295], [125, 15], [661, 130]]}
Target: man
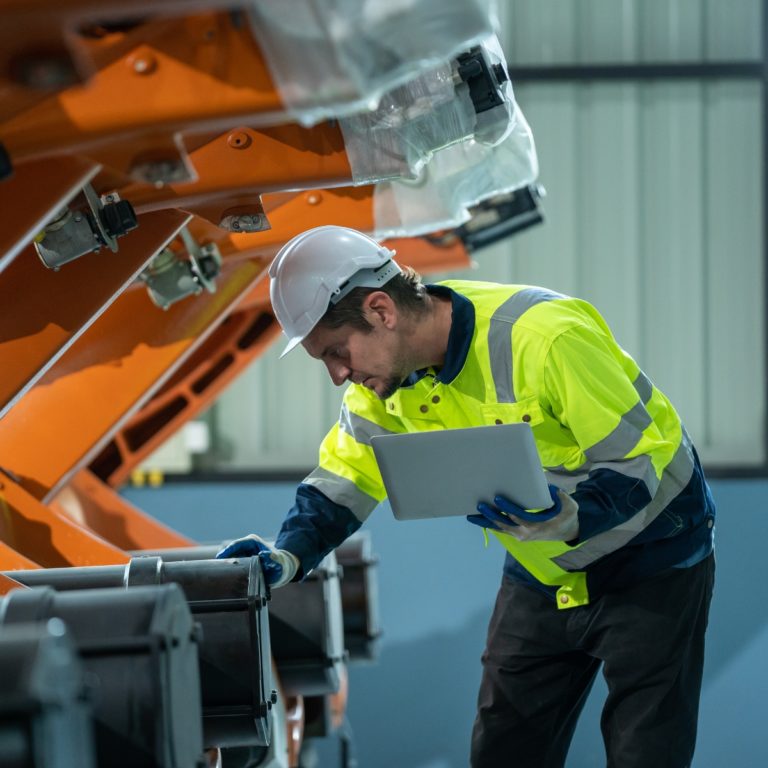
{"points": [[620, 575]]}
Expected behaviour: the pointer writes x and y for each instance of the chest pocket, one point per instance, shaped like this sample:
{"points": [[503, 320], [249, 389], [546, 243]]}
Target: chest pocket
{"points": [[528, 411]]}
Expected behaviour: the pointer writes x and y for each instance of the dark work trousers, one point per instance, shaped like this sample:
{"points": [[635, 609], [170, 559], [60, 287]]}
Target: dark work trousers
{"points": [[540, 663]]}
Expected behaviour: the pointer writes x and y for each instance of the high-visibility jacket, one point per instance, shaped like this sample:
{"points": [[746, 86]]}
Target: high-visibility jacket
{"points": [[604, 433]]}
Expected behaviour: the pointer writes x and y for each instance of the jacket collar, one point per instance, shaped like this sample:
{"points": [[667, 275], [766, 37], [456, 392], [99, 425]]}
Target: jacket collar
{"points": [[459, 337]]}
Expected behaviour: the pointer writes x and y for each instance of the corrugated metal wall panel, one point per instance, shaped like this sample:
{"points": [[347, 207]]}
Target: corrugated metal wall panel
{"points": [[734, 29], [654, 213], [735, 300], [601, 31]]}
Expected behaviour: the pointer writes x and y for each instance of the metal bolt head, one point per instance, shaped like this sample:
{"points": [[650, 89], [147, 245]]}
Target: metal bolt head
{"points": [[160, 172], [143, 63], [239, 140], [244, 222]]}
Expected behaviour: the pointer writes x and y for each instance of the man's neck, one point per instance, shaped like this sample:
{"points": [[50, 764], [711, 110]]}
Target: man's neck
{"points": [[429, 333]]}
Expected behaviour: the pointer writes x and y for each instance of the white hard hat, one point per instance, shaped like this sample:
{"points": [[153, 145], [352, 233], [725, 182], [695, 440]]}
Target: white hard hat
{"points": [[320, 267]]}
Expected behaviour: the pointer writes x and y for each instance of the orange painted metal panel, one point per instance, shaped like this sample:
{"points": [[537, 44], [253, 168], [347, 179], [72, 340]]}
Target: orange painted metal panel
{"points": [[11, 560], [249, 161], [105, 376], [47, 537], [195, 74], [294, 717], [47, 47], [227, 352], [6, 584], [353, 207], [92, 503], [43, 312], [347, 206], [289, 214], [31, 197], [258, 296], [103, 9], [427, 256]]}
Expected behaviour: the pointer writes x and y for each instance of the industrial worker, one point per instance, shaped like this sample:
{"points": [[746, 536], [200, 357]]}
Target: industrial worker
{"points": [[620, 570]]}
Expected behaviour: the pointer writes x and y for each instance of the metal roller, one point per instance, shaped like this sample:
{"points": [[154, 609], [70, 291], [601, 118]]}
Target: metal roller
{"points": [[139, 652], [307, 632], [45, 720], [228, 599], [359, 597], [174, 554], [359, 589]]}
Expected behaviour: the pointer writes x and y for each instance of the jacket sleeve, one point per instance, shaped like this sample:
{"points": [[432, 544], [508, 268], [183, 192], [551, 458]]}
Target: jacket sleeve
{"points": [[626, 431], [314, 526], [339, 494]]}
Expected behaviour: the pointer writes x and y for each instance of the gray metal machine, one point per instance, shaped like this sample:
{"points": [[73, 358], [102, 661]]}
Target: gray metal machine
{"points": [[227, 599], [139, 651], [45, 717]]}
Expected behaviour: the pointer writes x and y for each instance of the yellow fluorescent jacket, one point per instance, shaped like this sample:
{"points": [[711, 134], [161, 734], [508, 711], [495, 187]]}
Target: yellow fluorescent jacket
{"points": [[550, 360]]}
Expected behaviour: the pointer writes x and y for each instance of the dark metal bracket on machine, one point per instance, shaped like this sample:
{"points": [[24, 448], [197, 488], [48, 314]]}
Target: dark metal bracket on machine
{"points": [[483, 79], [501, 216]]}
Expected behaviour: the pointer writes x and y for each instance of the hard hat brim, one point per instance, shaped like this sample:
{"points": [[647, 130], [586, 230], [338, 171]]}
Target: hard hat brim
{"points": [[292, 344]]}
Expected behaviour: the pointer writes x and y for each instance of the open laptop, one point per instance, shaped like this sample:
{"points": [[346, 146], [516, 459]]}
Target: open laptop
{"points": [[447, 472]]}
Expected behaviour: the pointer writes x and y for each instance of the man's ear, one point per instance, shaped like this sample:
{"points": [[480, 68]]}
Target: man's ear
{"points": [[380, 307]]}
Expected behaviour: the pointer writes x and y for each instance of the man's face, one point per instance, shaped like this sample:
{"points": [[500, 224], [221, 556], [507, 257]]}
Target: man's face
{"points": [[375, 359]]}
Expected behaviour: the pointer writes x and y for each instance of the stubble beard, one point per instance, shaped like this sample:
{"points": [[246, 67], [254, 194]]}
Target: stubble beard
{"points": [[391, 385]]}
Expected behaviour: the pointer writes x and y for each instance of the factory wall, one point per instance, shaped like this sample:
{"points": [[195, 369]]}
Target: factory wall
{"points": [[437, 582]]}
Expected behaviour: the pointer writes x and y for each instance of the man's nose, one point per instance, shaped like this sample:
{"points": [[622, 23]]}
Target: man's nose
{"points": [[339, 373]]}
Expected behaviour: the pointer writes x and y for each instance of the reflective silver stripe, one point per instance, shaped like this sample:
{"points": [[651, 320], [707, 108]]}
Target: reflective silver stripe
{"points": [[567, 478], [625, 436], [674, 479], [359, 428], [342, 491], [644, 387], [640, 467], [500, 339]]}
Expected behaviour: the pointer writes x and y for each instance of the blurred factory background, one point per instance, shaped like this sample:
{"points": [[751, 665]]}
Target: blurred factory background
{"points": [[649, 122]]}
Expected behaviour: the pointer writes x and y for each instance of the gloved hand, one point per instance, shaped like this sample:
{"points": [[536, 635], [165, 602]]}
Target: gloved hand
{"points": [[279, 565], [560, 522]]}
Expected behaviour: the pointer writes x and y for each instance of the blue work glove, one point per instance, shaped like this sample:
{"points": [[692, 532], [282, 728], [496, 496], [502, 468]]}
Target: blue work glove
{"points": [[279, 565], [560, 522]]}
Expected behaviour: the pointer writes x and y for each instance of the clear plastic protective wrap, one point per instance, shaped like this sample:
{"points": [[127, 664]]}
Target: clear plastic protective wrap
{"points": [[332, 58], [398, 138], [468, 97], [495, 124], [456, 179]]}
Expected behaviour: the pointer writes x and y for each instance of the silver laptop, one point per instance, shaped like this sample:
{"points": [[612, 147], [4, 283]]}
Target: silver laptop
{"points": [[446, 472]]}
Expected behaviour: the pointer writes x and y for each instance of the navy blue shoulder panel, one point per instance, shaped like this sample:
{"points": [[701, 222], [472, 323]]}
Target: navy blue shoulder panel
{"points": [[314, 526], [606, 499]]}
